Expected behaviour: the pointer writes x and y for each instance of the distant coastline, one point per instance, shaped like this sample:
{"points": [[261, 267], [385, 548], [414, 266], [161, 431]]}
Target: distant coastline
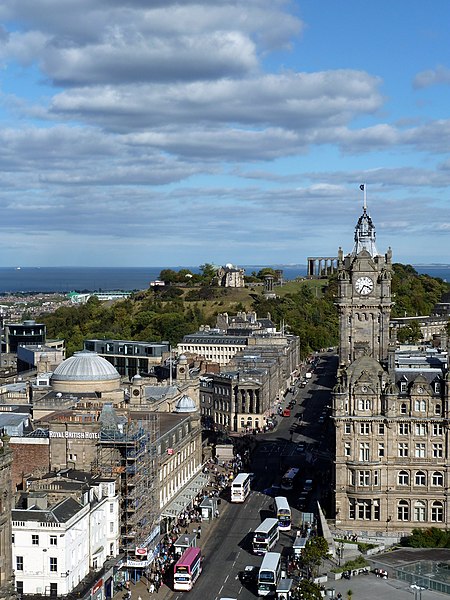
{"points": [[65, 279]]}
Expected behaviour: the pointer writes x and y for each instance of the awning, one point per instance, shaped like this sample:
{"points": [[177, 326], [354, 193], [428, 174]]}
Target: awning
{"points": [[185, 496]]}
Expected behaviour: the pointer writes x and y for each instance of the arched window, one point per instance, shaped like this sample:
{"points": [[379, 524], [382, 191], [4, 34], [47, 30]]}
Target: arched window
{"points": [[437, 479], [437, 512], [420, 478], [420, 511], [403, 510], [403, 408], [403, 478], [437, 409]]}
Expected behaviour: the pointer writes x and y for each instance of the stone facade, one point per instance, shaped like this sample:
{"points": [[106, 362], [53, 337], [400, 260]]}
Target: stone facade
{"points": [[390, 417], [6, 571]]}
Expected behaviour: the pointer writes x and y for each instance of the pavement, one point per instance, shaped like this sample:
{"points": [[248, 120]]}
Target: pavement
{"points": [[139, 589]]}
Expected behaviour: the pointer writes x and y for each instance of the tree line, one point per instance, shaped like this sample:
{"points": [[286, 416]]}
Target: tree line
{"points": [[170, 312]]}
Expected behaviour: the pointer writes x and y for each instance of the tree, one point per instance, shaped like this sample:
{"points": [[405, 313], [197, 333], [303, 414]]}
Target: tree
{"points": [[315, 551], [208, 272], [308, 590]]}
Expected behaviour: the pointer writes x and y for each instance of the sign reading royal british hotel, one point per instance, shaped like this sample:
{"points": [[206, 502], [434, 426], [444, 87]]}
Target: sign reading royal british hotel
{"points": [[79, 435]]}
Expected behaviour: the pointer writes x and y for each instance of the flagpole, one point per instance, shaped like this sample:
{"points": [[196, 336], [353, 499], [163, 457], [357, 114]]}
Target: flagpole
{"points": [[364, 188]]}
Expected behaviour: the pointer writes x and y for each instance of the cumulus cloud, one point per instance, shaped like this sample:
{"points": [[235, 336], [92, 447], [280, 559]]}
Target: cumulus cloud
{"points": [[121, 108]]}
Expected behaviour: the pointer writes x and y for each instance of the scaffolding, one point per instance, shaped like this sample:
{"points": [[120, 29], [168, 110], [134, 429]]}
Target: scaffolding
{"points": [[127, 451]]}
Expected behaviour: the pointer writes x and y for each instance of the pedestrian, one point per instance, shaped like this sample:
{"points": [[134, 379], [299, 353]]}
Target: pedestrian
{"points": [[139, 598], [151, 588]]}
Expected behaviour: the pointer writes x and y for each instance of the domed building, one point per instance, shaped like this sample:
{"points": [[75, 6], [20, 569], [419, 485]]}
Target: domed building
{"points": [[85, 371], [185, 405]]}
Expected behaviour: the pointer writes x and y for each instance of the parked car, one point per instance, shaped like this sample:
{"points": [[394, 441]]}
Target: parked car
{"points": [[301, 447]]}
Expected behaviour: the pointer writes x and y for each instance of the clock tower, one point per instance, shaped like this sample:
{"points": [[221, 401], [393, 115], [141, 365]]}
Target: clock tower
{"points": [[364, 296]]}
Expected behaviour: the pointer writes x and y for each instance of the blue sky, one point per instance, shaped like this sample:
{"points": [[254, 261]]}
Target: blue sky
{"points": [[221, 131]]}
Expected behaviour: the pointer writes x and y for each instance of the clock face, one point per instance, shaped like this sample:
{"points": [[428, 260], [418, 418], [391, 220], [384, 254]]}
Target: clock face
{"points": [[364, 285]]}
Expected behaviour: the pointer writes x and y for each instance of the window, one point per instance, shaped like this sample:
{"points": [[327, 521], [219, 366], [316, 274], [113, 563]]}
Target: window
{"points": [[403, 449], [437, 479], [380, 450], [403, 478], [403, 386], [53, 540], [352, 509], [420, 405], [420, 450], [420, 511], [53, 590], [364, 428], [111, 527], [380, 428], [375, 478], [19, 588], [420, 478], [364, 478], [53, 564], [363, 404], [364, 451], [437, 512], [437, 409], [437, 387], [19, 563], [34, 539], [403, 428], [403, 510], [347, 427], [421, 429], [437, 429], [347, 449], [364, 509], [111, 507], [437, 450], [376, 510], [403, 408]]}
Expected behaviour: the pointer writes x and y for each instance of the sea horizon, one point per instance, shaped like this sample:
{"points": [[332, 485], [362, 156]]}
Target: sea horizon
{"points": [[18, 279]]}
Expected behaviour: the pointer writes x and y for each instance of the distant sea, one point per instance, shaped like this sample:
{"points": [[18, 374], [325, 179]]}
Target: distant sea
{"points": [[67, 279]]}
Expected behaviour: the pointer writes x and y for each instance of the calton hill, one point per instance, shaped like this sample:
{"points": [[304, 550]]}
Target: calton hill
{"points": [[186, 301]]}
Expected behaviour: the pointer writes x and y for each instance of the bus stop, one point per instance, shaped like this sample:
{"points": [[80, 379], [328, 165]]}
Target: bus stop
{"points": [[188, 540], [208, 508], [284, 589], [299, 544]]}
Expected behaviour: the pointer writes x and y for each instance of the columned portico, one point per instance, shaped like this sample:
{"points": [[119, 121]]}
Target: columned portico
{"points": [[321, 266]]}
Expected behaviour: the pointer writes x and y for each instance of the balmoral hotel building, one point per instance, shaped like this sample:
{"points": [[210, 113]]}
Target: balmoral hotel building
{"points": [[390, 408]]}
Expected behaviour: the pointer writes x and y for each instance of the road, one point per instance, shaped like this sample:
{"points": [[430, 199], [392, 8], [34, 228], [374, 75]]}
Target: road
{"points": [[228, 549]]}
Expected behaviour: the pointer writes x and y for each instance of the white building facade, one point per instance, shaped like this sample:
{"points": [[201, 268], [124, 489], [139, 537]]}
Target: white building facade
{"points": [[55, 546]]}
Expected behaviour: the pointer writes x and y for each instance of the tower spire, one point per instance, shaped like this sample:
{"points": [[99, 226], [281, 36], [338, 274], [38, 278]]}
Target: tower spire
{"points": [[365, 230]]}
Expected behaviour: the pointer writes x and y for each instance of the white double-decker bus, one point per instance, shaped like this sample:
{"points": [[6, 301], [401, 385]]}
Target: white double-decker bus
{"points": [[269, 574], [266, 536], [283, 512], [240, 487]]}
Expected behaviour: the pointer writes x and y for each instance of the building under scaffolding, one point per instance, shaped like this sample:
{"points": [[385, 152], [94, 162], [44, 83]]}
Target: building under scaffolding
{"points": [[127, 450]]}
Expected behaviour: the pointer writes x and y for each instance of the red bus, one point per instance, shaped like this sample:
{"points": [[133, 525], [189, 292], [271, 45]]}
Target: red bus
{"points": [[187, 570]]}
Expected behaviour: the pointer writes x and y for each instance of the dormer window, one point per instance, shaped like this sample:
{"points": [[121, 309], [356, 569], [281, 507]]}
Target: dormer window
{"points": [[403, 387], [437, 387]]}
